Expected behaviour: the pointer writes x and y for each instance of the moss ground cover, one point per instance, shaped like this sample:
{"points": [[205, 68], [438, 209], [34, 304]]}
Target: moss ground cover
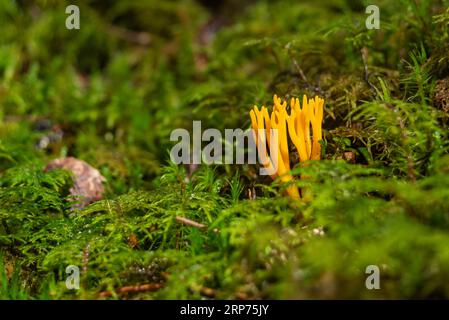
{"points": [[111, 93]]}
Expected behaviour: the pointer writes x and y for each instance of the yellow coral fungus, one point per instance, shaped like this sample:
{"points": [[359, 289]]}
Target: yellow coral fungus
{"points": [[302, 125]]}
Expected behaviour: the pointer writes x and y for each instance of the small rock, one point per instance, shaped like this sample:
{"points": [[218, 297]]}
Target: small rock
{"points": [[87, 181]]}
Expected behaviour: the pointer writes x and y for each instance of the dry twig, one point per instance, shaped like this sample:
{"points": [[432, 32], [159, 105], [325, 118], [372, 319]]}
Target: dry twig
{"points": [[132, 289], [190, 222]]}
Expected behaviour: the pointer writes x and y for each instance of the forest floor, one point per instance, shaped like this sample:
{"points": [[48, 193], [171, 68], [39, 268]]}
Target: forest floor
{"points": [[111, 92]]}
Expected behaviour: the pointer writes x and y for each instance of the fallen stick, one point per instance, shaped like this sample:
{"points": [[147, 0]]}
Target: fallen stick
{"points": [[132, 289], [190, 222]]}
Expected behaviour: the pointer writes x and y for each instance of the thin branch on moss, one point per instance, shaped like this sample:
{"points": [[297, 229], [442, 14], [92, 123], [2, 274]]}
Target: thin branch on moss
{"points": [[86, 258], [132, 289], [190, 222], [364, 52]]}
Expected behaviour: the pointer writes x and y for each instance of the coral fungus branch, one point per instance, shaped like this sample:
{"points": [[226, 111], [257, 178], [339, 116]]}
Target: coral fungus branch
{"points": [[302, 125]]}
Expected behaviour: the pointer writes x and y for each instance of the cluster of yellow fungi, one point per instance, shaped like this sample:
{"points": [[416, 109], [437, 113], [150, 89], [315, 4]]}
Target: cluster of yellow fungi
{"points": [[302, 125]]}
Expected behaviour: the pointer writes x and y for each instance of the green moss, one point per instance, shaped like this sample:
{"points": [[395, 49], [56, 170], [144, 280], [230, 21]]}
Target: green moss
{"points": [[116, 98]]}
